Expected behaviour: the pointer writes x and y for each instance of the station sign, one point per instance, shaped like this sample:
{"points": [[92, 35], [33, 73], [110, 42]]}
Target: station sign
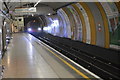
{"points": [[25, 10]]}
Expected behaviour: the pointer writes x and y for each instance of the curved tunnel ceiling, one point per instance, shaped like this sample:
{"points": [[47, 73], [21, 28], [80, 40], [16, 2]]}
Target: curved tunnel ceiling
{"points": [[93, 26], [95, 33]]}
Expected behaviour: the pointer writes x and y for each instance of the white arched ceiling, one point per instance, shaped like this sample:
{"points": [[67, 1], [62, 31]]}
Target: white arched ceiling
{"points": [[66, 23], [78, 24], [88, 30]]}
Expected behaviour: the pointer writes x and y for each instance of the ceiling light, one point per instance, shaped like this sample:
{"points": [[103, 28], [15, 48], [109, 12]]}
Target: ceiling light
{"points": [[37, 3], [39, 29], [29, 29], [49, 14]]}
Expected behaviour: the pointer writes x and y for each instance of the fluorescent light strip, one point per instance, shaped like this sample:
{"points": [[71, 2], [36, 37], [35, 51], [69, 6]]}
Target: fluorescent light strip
{"points": [[37, 3]]}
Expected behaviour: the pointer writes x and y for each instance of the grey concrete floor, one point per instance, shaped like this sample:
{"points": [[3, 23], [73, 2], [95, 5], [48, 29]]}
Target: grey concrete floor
{"points": [[27, 59]]}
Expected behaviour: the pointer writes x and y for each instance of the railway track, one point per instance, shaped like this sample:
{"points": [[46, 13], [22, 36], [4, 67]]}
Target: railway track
{"points": [[96, 65]]}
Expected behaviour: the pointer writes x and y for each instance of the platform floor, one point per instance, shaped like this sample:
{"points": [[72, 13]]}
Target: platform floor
{"points": [[28, 57]]}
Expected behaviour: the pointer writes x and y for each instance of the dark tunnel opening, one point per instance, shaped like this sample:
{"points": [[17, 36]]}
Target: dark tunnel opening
{"points": [[33, 24]]}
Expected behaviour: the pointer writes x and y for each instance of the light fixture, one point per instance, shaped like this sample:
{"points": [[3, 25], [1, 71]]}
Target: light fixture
{"points": [[5, 23], [29, 29], [39, 29], [49, 14], [37, 3], [0, 31]]}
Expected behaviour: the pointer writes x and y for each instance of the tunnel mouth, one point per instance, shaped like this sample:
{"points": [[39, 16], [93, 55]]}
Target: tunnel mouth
{"points": [[33, 24]]}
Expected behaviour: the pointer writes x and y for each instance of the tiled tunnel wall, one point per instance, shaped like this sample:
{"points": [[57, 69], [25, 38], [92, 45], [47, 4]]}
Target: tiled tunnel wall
{"points": [[92, 23]]}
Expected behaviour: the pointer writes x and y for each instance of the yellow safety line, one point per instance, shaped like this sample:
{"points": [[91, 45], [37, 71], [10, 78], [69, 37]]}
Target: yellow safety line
{"points": [[91, 21], [105, 21], [71, 25], [76, 70], [83, 23]]}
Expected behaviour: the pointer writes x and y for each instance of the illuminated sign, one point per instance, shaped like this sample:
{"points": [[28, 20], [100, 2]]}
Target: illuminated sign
{"points": [[24, 10]]}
